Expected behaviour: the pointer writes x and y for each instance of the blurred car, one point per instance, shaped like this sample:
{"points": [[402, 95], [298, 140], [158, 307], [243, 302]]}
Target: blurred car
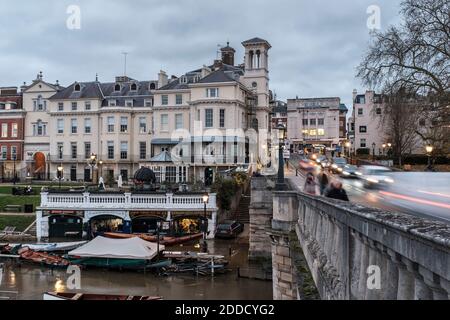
{"points": [[376, 176], [350, 171], [306, 164], [325, 163], [338, 165], [229, 229]]}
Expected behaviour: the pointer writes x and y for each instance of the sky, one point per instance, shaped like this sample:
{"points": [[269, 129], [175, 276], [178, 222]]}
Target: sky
{"points": [[316, 45]]}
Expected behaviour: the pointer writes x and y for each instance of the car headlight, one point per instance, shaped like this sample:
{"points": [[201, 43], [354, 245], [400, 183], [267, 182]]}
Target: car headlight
{"points": [[389, 180], [358, 173], [339, 170], [334, 166], [346, 173], [373, 180]]}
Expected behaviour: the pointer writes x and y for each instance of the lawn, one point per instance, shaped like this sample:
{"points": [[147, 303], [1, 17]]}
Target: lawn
{"points": [[18, 200], [20, 222]]}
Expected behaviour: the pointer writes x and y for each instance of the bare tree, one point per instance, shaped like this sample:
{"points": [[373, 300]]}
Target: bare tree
{"points": [[415, 57]]}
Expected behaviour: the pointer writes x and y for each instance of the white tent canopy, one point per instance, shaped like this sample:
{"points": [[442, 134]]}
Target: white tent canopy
{"points": [[132, 248]]}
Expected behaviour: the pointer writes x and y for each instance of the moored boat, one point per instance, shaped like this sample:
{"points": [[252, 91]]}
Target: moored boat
{"points": [[94, 296], [165, 240], [42, 258]]}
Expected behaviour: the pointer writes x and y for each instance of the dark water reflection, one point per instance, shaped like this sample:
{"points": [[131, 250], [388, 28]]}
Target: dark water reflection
{"points": [[29, 282]]}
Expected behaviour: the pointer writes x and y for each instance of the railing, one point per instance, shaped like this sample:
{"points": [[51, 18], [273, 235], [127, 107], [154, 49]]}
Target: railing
{"points": [[124, 201]]}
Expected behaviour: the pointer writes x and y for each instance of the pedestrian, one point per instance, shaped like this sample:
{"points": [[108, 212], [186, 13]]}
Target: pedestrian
{"points": [[323, 181], [336, 191], [310, 184]]}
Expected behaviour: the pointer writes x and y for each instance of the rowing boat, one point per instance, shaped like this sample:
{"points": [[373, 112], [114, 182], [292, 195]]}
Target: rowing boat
{"points": [[93, 296], [164, 240]]}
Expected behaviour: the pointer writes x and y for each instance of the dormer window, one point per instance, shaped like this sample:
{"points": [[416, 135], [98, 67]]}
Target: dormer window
{"points": [[152, 86], [197, 78], [129, 103], [133, 87], [117, 88], [183, 79], [77, 87], [112, 103]]}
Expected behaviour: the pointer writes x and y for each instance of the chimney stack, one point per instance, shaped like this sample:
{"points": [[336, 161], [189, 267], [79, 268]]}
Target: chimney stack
{"points": [[228, 54], [163, 79]]}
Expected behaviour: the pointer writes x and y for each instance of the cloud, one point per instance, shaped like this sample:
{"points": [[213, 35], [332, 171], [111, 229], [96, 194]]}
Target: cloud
{"points": [[316, 45]]}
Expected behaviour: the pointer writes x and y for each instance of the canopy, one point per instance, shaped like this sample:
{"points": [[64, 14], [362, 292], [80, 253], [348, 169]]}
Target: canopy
{"points": [[132, 248]]}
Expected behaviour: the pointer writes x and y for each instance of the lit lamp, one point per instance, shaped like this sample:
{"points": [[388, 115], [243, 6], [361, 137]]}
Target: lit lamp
{"points": [[373, 151], [101, 167], [92, 163], [280, 185], [348, 145], [205, 199], [60, 173], [429, 150]]}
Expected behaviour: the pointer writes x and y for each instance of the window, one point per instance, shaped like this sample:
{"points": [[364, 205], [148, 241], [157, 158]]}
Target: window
{"points": [[87, 105], [164, 122], [148, 102], [14, 130], [73, 150], [362, 143], [123, 124], [312, 122], [87, 125], [209, 118], [360, 111], [133, 87], [378, 111], [320, 132], [39, 128], [142, 150], [164, 99], [198, 115], [178, 121], [110, 124], [87, 150], [124, 174], [129, 103], [152, 86], [179, 99], [362, 129], [110, 147], [171, 174], [60, 150], [222, 118], [40, 104], [142, 125], [361, 99], [117, 87], [123, 150], [77, 87], [313, 132], [73, 125], [321, 121], [60, 106], [305, 132], [305, 122], [212, 92], [4, 152], [74, 106], [4, 130], [112, 102], [14, 153], [60, 125]]}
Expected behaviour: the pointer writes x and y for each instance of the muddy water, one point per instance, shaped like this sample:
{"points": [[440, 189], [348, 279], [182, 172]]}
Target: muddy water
{"points": [[29, 282]]}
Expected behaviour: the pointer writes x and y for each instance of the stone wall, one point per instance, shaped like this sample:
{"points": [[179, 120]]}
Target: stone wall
{"points": [[357, 252], [260, 211]]}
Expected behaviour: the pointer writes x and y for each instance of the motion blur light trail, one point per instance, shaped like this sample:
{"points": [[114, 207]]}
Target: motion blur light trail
{"points": [[422, 201], [435, 194]]}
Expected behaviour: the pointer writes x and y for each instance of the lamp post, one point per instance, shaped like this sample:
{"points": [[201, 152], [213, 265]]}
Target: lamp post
{"points": [[373, 151], [384, 149], [348, 145], [429, 150], [389, 145], [100, 163], [14, 169], [60, 172], [280, 185], [92, 163], [205, 199]]}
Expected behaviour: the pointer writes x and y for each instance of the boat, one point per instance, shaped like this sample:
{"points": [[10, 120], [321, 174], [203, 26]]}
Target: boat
{"points": [[93, 296], [164, 240], [52, 247], [132, 253], [42, 258]]}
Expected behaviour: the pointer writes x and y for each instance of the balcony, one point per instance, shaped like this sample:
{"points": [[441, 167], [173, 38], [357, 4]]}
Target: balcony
{"points": [[127, 201]]}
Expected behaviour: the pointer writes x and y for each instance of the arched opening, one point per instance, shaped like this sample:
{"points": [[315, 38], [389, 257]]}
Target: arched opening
{"points": [[65, 226], [117, 87], [258, 59], [133, 87], [250, 58], [77, 87], [209, 176], [105, 223], [152, 86], [39, 165], [145, 224], [185, 225]]}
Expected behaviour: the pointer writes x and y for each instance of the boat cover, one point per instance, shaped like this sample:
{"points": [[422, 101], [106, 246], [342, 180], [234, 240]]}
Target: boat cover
{"points": [[132, 248]]}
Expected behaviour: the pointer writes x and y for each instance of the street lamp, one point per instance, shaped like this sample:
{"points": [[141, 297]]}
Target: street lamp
{"points": [[429, 150], [348, 145], [100, 163], [280, 185], [205, 199], [92, 163], [373, 151], [60, 172], [384, 148]]}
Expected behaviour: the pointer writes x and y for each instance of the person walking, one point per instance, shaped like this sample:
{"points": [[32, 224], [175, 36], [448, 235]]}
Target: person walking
{"points": [[336, 191], [323, 181], [310, 184]]}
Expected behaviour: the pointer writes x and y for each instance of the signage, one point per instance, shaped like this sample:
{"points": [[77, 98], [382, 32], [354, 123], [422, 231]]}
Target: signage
{"points": [[76, 213], [286, 154]]}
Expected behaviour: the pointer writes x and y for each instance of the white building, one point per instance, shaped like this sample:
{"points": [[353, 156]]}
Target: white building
{"points": [[315, 121]]}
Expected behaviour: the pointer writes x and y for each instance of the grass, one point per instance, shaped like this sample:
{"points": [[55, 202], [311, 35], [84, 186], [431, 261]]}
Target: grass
{"points": [[20, 222], [18, 200]]}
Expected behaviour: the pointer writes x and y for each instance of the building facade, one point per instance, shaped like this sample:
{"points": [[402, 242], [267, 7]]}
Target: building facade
{"points": [[278, 114], [315, 121], [12, 120]]}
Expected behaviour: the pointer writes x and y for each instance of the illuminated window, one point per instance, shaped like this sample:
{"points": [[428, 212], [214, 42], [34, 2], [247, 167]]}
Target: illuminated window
{"points": [[321, 132], [313, 132]]}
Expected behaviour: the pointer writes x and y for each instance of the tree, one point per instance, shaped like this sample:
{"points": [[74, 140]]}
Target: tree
{"points": [[415, 57]]}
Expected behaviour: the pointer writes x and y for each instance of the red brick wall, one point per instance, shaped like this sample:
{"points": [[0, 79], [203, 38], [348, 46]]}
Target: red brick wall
{"points": [[16, 141]]}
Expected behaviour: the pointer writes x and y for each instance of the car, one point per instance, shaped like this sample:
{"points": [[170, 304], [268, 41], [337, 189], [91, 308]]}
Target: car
{"points": [[307, 165], [229, 229], [338, 165], [350, 171], [376, 176]]}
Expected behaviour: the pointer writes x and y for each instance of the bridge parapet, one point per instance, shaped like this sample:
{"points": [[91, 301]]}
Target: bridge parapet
{"points": [[357, 252]]}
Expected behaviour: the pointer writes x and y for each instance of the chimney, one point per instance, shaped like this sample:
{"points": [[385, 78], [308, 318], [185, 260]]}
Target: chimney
{"points": [[23, 87], [162, 79], [355, 93], [228, 54]]}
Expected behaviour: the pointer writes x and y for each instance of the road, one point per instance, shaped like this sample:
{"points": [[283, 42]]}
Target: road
{"points": [[423, 194]]}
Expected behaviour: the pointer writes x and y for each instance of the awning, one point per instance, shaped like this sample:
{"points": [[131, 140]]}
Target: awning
{"points": [[162, 157], [132, 248], [162, 141]]}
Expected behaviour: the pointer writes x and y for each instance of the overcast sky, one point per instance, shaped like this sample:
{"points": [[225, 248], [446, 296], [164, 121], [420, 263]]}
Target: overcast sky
{"points": [[316, 45]]}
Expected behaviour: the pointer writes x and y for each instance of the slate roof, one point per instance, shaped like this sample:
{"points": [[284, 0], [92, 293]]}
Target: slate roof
{"points": [[343, 107], [218, 76], [256, 41]]}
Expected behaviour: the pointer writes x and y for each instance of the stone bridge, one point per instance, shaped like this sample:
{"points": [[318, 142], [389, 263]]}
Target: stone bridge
{"points": [[348, 251]]}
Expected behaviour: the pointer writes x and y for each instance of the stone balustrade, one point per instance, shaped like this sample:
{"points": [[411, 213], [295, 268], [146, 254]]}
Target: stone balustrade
{"points": [[357, 252]]}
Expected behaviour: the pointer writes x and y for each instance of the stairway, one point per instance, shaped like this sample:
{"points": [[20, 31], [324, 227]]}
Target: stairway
{"points": [[242, 212], [31, 229]]}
